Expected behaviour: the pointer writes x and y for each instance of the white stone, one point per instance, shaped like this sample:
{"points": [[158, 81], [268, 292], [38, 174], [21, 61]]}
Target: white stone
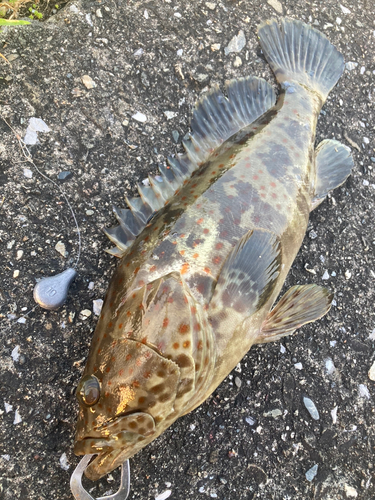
{"points": [[64, 464], [237, 62], [350, 491], [325, 275], [237, 43], [60, 247], [330, 367], [139, 117], [97, 306], [282, 349], [16, 353], [351, 65], [311, 473], [16, 273], [170, 114], [180, 52], [163, 496], [35, 125], [8, 407], [366, 140], [210, 5], [27, 173], [84, 314], [311, 408], [334, 414], [298, 366], [17, 418], [348, 274], [88, 82], [345, 10], [145, 14], [363, 391], [91, 285], [275, 4], [273, 413], [215, 47], [371, 372], [19, 254]]}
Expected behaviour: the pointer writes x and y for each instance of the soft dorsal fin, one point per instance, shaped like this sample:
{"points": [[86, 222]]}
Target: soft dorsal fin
{"points": [[215, 119]]}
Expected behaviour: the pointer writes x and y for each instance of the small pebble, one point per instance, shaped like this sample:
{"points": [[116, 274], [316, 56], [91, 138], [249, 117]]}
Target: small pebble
{"points": [[91, 285], [351, 65], [238, 382], [139, 117], [282, 349], [86, 313], [237, 62], [163, 496], [145, 14], [250, 420], [237, 43], [17, 418], [273, 413], [64, 464], [192, 427], [180, 52], [325, 275], [97, 306], [371, 372], [8, 407], [175, 135], [275, 4], [313, 235], [298, 366], [215, 47], [311, 408], [60, 247], [311, 473], [21, 320], [16, 273], [345, 10], [19, 254], [363, 391], [350, 491], [177, 14], [138, 52], [90, 212], [27, 173], [210, 5], [88, 82], [16, 353], [366, 140], [329, 365], [170, 114], [348, 274], [64, 175], [146, 182], [334, 414], [99, 13]]}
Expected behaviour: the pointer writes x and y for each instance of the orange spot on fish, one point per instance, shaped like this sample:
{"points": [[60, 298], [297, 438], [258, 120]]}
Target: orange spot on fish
{"points": [[128, 357], [186, 344], [183, 198], [221, 165], [182, 235], [174, 242], [200, 345], [176, 345], [144, 340], [232, 156], [216, 259], [182, 252], [274, 195], [108, 369], [141, 400], [263, 195], [128, 313], [165, 322], [170, 300], [121, 373], [184, 328], [262, 187], [135, 383], [207, 270], [120, 325], [197, 327], [219, 246], [127, 264], [273, 184], [99, 351], [278, 206], [199, 221], [255, 177], [184, 268], [285, 141], [136, 270], [147, 375], [206, 231]]}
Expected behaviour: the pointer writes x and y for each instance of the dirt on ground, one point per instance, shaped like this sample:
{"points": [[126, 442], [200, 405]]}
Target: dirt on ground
{"points": [[86, 73]]}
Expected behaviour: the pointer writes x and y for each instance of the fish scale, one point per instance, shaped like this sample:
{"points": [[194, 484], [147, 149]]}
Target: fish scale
{"points": [[206, 248]]}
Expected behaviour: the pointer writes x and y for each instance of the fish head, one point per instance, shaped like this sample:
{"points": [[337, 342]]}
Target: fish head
{"points": [[121, 403]]}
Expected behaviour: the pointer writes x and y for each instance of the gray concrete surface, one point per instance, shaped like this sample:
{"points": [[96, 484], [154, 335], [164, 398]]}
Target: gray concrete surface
{"points": [[152, 57]]}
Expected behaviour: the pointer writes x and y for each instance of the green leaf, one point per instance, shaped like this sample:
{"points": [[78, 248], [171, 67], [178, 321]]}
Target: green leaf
{"points": [[7, 22]]}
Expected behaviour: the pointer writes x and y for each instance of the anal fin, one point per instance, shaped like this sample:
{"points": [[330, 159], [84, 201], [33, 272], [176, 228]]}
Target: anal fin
{"points": [[301, 304], [333, 165], [249, 274]]}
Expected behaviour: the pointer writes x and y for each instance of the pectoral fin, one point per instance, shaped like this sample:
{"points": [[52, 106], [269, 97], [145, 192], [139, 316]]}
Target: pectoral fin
{"points": [[333, 165], [298, 306], [249, 274]]}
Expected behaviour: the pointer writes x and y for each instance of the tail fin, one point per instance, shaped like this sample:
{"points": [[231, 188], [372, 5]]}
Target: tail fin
{"points": [[297, 52]]}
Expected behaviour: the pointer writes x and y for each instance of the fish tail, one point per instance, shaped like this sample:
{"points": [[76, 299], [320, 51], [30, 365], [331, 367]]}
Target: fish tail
{"points": [[299, 53]]}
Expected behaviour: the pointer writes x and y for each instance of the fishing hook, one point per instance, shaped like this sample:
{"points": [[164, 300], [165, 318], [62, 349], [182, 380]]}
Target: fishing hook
{"points": [[79, 491]]}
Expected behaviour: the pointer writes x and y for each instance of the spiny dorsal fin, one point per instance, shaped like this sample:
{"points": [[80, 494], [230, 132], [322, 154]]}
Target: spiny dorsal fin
{"points": [[215, 119]]}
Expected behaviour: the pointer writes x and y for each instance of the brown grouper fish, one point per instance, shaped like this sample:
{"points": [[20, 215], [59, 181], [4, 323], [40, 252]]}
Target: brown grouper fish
{"points": [[206, 248]]}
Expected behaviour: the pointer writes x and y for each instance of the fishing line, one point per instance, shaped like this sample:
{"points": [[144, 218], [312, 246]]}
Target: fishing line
{"points": [[51, 292]]}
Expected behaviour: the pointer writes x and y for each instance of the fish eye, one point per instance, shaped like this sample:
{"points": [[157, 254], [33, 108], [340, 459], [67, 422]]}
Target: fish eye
{"points": [[88, 390]]}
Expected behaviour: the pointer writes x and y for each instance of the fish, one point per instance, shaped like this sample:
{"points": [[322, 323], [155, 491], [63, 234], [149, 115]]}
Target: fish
{"points": [[205, 249]]}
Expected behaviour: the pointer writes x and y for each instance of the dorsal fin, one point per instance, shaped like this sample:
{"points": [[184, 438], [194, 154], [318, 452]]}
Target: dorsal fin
{"points": [[215, 119]]}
